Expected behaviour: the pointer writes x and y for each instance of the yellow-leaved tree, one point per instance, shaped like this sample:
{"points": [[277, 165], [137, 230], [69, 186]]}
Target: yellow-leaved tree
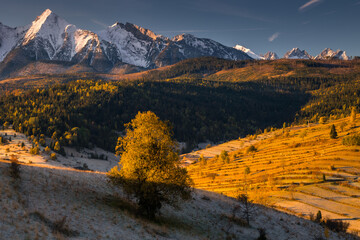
{"points": [[149, 167]]}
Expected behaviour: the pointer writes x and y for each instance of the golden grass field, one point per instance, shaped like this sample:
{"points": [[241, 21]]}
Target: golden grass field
{"points": [[299, 170]]}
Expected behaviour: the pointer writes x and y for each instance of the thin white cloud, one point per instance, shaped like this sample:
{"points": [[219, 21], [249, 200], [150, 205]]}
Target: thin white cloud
{"points": [[273, 37], [308, 4], [99, 23]]}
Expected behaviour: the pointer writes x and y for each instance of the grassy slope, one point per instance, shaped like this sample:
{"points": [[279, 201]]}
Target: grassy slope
{"points": [[286, 68], [288, 171], [52, 201], [232, 71]]}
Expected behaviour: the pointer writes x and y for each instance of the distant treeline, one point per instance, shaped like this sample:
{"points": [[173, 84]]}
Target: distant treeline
{"points": [[195, 67]]}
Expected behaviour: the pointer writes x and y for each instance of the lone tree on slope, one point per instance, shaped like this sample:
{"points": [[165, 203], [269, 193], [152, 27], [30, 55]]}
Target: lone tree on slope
{"points": [[333, 133], [353, 115], [150, 166]]}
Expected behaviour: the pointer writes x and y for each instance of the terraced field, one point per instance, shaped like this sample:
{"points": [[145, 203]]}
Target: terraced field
{"points": [[230, 146], [299, 170]]}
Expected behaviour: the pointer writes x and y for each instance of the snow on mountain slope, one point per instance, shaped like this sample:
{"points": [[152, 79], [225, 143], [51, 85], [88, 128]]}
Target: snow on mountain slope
{"points": [[340, 54], [271, 56], [142, 47], [328, 53], [9, 38], [81, 38], [248, 52], [192, 41], [46, 31], [296, 53], [59, 39], [77, 43], [133, 44], [325, 54], [196, 47]]}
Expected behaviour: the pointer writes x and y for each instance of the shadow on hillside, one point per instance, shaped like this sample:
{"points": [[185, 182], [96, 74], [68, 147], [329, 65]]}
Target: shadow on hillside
{"points": [[206, 214]]}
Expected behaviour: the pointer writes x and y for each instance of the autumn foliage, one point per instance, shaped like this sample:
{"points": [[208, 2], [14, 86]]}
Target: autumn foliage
{"points": [[149, 167]]}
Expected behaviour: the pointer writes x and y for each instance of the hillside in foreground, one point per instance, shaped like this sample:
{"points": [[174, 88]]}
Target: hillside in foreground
{"points": [[299, 169], [53, 201]]}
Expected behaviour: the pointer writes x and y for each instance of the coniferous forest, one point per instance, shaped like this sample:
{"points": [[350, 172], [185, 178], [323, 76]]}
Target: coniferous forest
{"points": [[85, 113]]}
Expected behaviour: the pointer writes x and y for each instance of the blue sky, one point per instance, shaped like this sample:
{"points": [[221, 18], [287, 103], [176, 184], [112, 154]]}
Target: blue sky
{"points": [[261, 25]]}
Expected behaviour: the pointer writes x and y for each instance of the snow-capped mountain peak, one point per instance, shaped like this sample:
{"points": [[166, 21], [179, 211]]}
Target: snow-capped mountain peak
{"points": [[46, 36], [145, 31], [183, 36], [328, 53], [114, 25], [137, 31], [340, 54], [296, 53], [325, 54], [202, 44], [132, 43], [270, 56], [248, 52], [48, 26]]}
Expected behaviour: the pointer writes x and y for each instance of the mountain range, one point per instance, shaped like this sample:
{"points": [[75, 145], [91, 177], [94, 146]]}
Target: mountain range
{"points": [[296, 53], [49, 39], [52, 45], [328, 53]]}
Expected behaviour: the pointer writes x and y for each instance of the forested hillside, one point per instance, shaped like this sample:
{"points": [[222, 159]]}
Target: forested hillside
{"points": [[204, 99], [81, 112]]}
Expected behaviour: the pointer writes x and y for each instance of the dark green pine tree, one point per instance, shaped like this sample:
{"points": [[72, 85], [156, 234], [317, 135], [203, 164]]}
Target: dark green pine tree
{"points": [[333, 133]]}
